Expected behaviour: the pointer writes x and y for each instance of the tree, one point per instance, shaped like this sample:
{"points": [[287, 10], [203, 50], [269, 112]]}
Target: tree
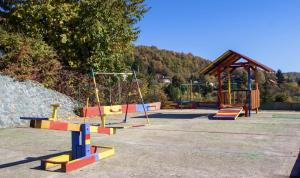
{"points": [[267, 89], [279, 77], [85, 33], [281, 97], [28, 58], [177, 81], [173, 92]]}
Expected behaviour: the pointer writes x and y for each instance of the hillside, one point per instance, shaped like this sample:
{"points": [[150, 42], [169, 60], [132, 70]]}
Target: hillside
{"points": [[292, 76], [151, 60]]}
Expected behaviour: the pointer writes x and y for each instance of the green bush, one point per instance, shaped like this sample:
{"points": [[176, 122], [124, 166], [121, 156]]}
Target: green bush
{"points": [[281, 98]]}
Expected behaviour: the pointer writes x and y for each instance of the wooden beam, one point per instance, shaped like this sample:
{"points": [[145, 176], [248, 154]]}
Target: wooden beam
{"points": [[232, 58], [218, 65], [66, 126], [215, 63]]}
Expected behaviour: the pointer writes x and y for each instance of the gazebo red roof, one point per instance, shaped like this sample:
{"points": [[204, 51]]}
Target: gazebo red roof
{"points": [[228, 59]]}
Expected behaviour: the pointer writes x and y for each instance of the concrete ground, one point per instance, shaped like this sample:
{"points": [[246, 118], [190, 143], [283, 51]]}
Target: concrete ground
{"points": [[179, 143]]}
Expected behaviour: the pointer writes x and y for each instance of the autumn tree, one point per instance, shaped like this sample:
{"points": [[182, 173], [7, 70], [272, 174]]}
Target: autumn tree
{"points": [[90, 33]]}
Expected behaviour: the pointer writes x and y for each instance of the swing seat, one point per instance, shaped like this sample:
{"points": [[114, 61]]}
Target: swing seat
{"points": [[111, 110]]}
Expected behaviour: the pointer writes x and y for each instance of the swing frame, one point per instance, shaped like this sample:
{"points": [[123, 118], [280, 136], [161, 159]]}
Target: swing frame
{"points": [[132, 80]]}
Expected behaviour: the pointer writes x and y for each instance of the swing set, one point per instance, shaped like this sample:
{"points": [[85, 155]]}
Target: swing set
{"points": [[187, 99], [116, 109]]}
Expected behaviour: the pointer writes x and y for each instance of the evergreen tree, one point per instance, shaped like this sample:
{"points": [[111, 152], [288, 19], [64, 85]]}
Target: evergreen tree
{"points": [[279, 76]]}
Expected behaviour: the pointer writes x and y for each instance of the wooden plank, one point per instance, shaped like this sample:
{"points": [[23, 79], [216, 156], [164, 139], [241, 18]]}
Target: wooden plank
{"points": [[58, 125], [226, 114], [55, 161], [226, 111], [79, 163], [104, 130], [65, 126], [222, 114]]}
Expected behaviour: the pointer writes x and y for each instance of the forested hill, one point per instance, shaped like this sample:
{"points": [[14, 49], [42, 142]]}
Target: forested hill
{"points": [[293, 76], [151, 60]]}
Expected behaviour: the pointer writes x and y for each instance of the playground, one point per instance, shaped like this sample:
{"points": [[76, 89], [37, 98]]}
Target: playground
{"points": [[128, 139], [197, 89], [179, 143]]}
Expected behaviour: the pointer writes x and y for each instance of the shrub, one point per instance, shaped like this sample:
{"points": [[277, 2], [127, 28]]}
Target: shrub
{"points": [[28, 58], [281, 98]]}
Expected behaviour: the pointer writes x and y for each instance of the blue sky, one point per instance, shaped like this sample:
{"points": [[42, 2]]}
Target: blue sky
{"points": [[266, 30]]}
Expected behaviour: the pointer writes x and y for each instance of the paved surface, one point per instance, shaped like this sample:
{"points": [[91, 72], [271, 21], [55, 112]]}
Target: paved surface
{"points": [[179, 143]]}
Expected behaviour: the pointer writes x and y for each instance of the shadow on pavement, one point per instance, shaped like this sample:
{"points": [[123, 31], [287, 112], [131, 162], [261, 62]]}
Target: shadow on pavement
{"points": [[176, 116], [296, 169], [30, 159]]}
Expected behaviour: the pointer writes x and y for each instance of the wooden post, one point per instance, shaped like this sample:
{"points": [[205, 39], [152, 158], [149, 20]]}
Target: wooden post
{"points": [[220, 88], [191, 91], [127, 99], [141, 97], [249, 92], [257, 98], [97, 93], [54, 111], [86, 109], [103, 120], [229, 87], [119, 90]]}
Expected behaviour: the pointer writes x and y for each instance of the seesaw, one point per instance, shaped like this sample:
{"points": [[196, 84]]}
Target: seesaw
{"points": [[82, 153]]}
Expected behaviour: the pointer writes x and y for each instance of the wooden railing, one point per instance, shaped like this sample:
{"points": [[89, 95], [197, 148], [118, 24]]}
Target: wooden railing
{"points": [[240, 98], [255, 97]]}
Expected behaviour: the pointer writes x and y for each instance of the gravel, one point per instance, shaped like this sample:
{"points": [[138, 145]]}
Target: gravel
{"points": [[30, 99]]}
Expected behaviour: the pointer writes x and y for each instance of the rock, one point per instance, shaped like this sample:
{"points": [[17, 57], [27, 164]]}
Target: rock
{"points": [[30, 99]]}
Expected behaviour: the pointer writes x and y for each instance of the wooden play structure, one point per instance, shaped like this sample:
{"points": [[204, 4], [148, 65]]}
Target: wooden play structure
{"points": [[82, 153], [103, 111], [233, 102]]}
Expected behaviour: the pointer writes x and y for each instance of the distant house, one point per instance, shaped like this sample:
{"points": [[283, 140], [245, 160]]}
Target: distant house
{"points": [[163, 79], [211, 84]]}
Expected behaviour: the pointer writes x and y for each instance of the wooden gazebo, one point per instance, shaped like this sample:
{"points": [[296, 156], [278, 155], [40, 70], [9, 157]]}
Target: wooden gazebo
{"points": [[246, 99]]}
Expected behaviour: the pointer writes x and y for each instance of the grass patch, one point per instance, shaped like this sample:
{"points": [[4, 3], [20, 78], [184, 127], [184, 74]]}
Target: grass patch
{"points": [[286, 116]]}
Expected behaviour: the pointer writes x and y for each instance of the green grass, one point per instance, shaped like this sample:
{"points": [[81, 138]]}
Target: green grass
{"points": [[286, 116]]}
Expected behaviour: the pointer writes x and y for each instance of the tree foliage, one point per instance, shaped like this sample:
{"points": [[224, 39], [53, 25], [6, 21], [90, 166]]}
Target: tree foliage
{"points": [[151, 60], [85, 33], [28, 58]]}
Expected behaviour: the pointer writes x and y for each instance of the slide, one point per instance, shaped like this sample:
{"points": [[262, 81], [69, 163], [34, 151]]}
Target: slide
{"points": [[228, 114]]}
